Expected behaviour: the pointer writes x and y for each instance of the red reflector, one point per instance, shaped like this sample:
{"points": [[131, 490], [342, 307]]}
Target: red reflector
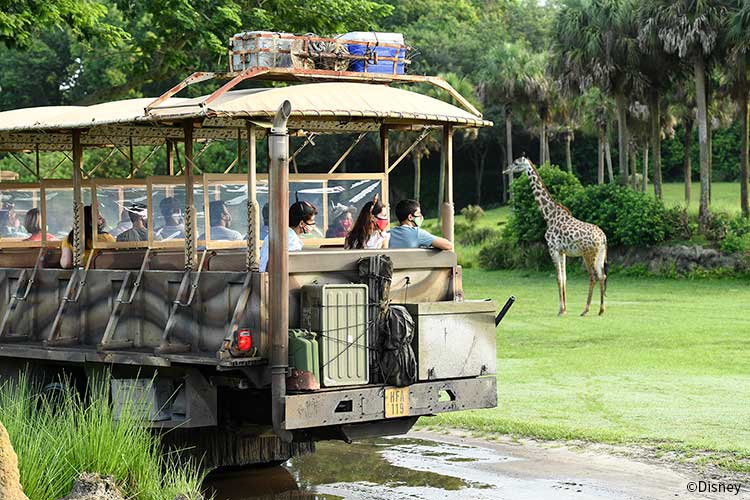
{"points": [[244, 340]]}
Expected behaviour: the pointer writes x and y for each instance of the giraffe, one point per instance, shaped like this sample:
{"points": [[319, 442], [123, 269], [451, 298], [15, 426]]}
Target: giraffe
{"points": [[568, 236]]}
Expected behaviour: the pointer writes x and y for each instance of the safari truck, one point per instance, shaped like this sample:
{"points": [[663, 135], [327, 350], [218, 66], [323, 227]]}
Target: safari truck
{"points": [[244, 366]]}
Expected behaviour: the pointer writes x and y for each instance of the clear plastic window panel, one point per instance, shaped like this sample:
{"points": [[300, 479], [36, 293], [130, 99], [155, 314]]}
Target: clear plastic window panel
{"points": [[345, 200], [59, 206], [120, 207], [168, 205], [227, 212], [20, 215], [312, 192]]}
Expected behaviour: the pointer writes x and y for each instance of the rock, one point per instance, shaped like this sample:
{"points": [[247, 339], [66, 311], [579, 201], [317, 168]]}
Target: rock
{"points": [[90, 486], [10, 478]]}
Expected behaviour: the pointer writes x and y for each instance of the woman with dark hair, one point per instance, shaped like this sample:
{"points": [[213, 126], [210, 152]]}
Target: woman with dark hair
{"points": [[33, 224], [301, 221], [371, 228], [66, 259]]}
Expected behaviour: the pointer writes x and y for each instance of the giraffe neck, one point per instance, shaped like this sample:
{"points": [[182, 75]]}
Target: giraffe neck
{"points": [[549, 208]]}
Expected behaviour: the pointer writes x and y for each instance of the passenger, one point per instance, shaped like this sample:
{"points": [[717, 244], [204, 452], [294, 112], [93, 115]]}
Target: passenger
{"points": [[220, 220], [301, 221], [174, 227], [8, 222], [123, 225], [138, 215], [33, 225], [342, 221], [66, 259], [408, 233], [371, 228], [264, 227]]}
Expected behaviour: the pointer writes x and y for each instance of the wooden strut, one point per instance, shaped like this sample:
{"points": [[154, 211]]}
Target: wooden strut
{"points": [[15, 299], [120, 303], [346, 153], [421, 138], [188, 287], [72, 294]]}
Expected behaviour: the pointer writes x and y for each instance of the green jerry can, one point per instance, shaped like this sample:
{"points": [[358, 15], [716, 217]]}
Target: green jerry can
{"points": [[338, 313], [303, 352]]}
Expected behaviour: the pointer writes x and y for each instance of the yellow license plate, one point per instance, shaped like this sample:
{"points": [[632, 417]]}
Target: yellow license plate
{"points": [[397, 402]]}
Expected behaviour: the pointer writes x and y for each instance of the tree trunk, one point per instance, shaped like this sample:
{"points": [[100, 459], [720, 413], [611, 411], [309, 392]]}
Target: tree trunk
{"points": [[622, 136], [700, 96], [687, 162], [568, 158], [656, 142], [644, 181], [417, 175], [608, 152], [547, 158], [633, 167], [744, 156], [509, 151], [480, 175], [600, 164], [542, 135]]}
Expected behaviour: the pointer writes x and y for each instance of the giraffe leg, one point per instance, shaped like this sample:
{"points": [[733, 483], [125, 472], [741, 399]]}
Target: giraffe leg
{"points": [[592, 281], [556, 259], [564, 277], [601, 275]]}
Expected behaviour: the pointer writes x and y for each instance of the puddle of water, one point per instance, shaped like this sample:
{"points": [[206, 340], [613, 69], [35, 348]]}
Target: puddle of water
{"points": [[395, 469]]}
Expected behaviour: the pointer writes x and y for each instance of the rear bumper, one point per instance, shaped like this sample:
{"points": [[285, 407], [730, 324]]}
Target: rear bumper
{"points": [[318, 409]]}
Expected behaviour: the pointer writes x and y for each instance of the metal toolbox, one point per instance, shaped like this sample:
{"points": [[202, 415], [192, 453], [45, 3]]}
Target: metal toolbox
{"points": [[454, 339], [338, 313]]}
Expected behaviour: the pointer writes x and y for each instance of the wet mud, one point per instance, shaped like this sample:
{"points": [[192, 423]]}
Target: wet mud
{"points": [[424, 468]]}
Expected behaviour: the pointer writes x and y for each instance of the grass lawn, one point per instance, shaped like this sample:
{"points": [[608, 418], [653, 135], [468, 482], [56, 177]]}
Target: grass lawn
{"points": [[725, 196], [668, 363]]}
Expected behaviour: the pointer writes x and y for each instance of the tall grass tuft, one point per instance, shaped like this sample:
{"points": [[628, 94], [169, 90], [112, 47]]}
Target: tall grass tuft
{"points": [[56, 438]]}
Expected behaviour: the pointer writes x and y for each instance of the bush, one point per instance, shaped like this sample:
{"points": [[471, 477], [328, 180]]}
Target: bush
{"points": [[627, 217], [472, 213], [467, 234], [526, 223], [502, 253], [717, 226]]}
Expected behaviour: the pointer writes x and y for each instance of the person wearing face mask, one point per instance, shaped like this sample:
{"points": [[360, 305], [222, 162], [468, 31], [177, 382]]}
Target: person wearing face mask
{"points": [[408, 234], [342, 221], [301, 221], [371, 228]]}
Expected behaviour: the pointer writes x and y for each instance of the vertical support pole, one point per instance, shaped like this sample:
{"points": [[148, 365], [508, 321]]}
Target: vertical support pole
{"points": [[253, 223], [79, 236], [278, 176], [132, 158], [190, 221], [38, 177], [170, 157], [446, 157], [239, 150], [385, 161]]}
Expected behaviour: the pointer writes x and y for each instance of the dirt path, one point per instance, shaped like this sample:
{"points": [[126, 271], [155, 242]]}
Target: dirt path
{"points": [[598, 471]]}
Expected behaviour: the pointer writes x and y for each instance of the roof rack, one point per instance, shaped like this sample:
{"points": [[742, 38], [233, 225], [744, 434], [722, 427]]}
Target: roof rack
{"points": [[304, 76]]}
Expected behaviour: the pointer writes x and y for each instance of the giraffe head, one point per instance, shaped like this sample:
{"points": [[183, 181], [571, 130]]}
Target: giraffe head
{"points": [[521, 164]]}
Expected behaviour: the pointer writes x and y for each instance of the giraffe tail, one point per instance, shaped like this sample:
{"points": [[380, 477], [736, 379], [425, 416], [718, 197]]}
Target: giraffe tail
{"points": [[606, 275]]}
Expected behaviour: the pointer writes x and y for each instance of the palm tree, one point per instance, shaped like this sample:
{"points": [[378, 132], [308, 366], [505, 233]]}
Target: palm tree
{"points": [[594, 45], [738, 73], [507, 79], [690, 29], [596, 110]]}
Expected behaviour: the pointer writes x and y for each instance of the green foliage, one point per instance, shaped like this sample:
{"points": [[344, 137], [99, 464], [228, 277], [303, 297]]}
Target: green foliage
{"points": [[472, 213], [57, 440], [526, 223], [627, 217], [503, 253]]}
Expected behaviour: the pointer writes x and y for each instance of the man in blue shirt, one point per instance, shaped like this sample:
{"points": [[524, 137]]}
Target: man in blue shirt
{"points": [[408, 233]]}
